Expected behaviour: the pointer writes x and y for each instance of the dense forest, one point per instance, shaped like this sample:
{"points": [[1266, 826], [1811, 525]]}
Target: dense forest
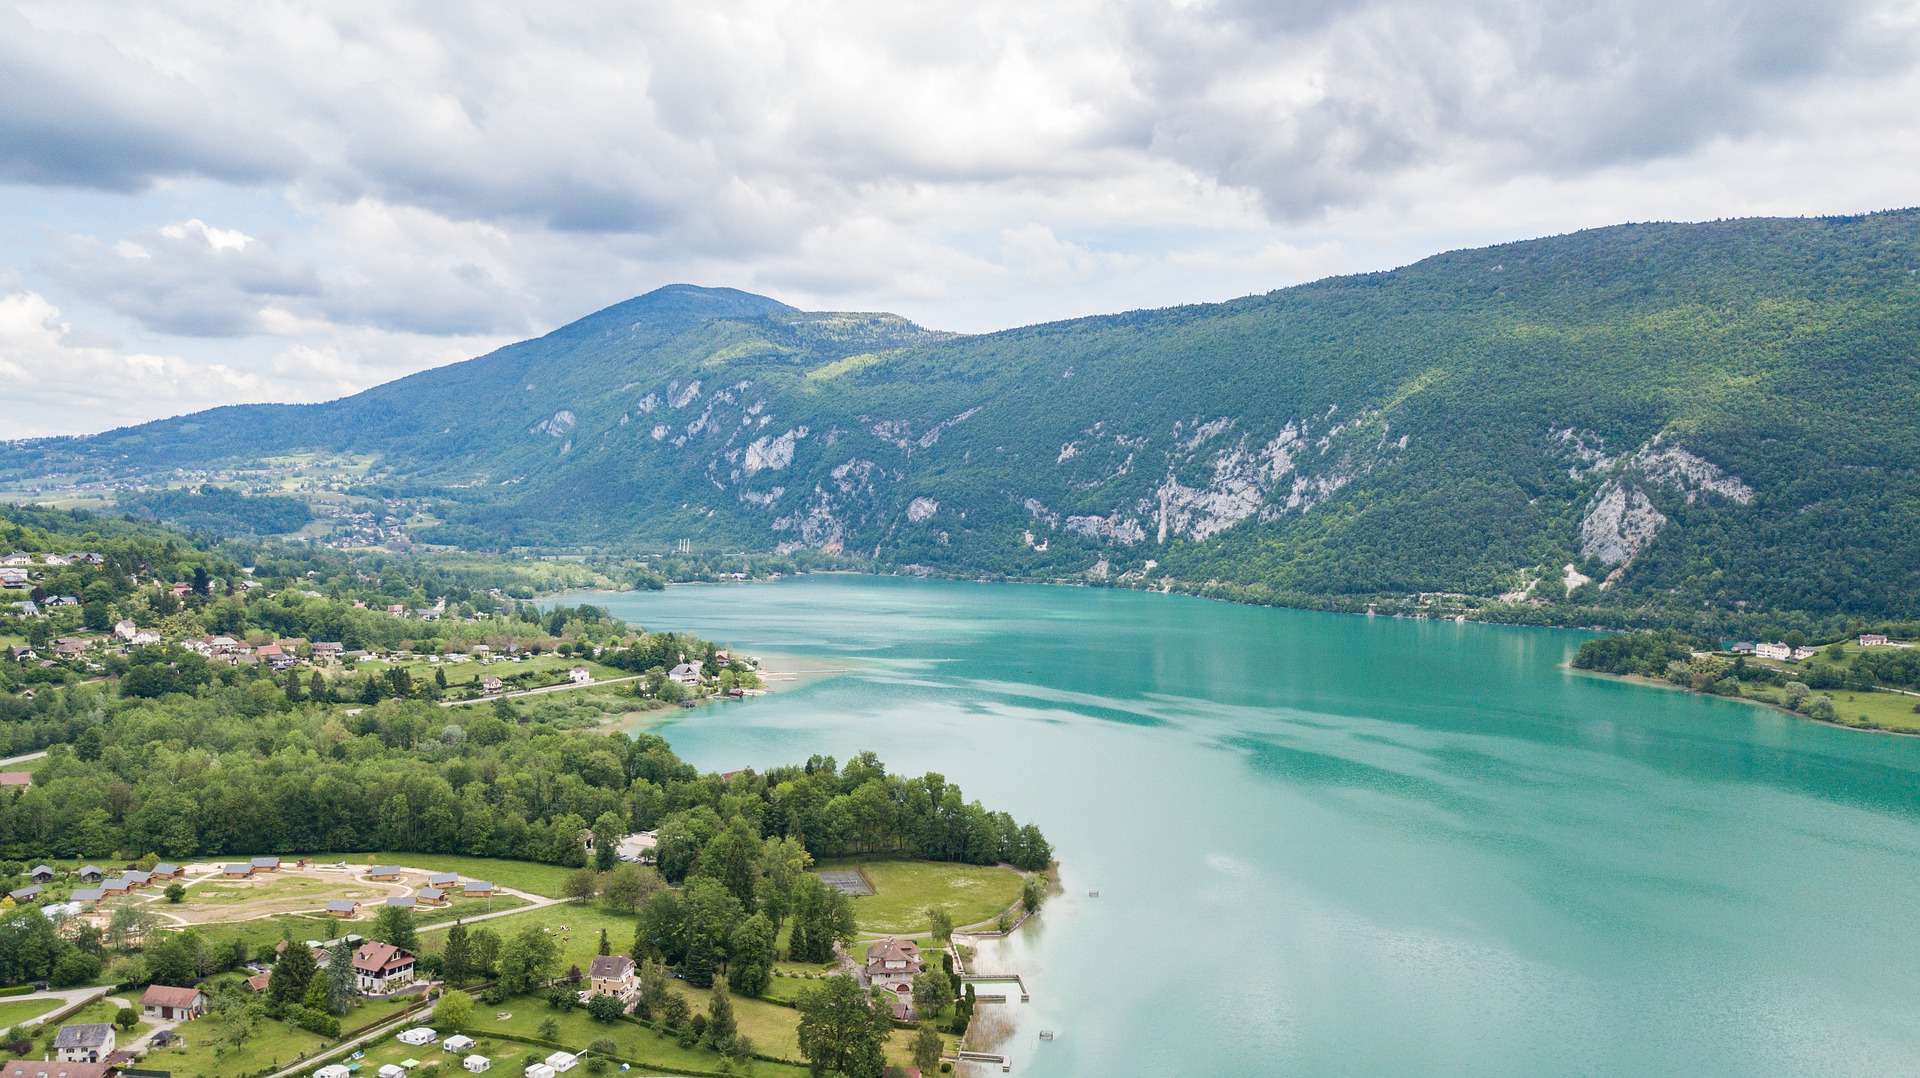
{"points": [[1681, 424]]}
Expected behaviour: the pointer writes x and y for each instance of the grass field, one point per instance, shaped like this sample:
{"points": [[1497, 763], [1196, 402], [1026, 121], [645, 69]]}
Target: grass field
{"points": [[579, 940], [903, 891], [13, 1012], [535, 879], [577, 1031], [271, 1043]]}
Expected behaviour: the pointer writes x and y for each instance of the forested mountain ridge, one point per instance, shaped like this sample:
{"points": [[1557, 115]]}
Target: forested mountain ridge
{"points": [[1666, 418]]}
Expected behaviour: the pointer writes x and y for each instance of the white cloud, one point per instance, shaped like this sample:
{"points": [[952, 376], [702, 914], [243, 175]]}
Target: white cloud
{"points": [[51, 380], [446, 181]]}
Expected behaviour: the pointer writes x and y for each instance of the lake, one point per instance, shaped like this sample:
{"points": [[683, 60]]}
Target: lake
{"points": [[1330, 844]]}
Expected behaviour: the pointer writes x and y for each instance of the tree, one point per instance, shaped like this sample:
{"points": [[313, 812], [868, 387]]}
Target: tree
{"points": [[175, 893], [840, 1030], [394, 924], [629, 885], [457, 954], [341, 982], [927, 1049], [604, 1007], [1033, 891], [674, 1010], [721, 1025], [127, 1017], [606, 840], [582, 884], [548, 1029], [932, 991], [605, 947], [750, 955], [783, 861], [528, 960], [453, 1009], [654, 986], [288, 983], [822, 917], [940, 921]]}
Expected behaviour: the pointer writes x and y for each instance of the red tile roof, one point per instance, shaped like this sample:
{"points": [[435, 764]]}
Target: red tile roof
{"points": [[161, 995], [379, 958]]}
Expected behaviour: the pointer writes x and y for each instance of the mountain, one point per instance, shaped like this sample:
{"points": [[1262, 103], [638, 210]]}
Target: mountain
{"points": [[1658, 417]]}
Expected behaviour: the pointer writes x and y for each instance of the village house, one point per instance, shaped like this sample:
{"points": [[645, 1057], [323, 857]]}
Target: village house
{"points": [[477, 889], [237, 871], [24, 895], [1804, 653], [384, 872], [1773, 651], [490, 683], [167, 870], [18, 557], [115, 886], [1872, 640], [137, 879], [432, 896], [41, 873], [16, 778], [69, 647], [259, 982], [443, 879], [172, 1004], [378, 968], [13, 578], [327, 651], [892, 964], [83, 1042], [23, 653], [580, 675], [687, 674], [266, 864], [91, 874], [342, 907], [613, 975], [403, 902]]}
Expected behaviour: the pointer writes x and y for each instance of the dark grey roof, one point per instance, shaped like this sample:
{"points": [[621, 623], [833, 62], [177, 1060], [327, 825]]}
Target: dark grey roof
{"points": [[83, 1035], [402, 902]]}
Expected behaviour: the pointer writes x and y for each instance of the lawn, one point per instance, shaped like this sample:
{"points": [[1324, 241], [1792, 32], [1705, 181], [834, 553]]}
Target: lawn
{"points": [[528, 876], [903, 891], [1872, 710], [261, 934], [271, 1042], [579, 939], [14, 1012], [633, 1042]]}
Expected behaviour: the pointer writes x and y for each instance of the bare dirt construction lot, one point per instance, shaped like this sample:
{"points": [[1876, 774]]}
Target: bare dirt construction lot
{"points": [[213, 899]]}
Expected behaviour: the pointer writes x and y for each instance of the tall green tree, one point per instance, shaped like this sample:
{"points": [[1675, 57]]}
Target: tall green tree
{"points": [[841, 1031], [457, 954], [291, 974], [394, 924], [750, 955]]}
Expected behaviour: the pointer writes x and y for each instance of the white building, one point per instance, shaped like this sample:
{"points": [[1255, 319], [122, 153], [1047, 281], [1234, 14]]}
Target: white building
{"points": [[1773, 651], [418, 1035], [476, 1064]]}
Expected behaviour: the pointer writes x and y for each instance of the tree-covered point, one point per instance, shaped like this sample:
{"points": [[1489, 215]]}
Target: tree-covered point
{"points": [[194, 776]]}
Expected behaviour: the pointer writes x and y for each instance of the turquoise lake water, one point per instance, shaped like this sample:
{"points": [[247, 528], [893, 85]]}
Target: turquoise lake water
{"points": [[1337, 845]]}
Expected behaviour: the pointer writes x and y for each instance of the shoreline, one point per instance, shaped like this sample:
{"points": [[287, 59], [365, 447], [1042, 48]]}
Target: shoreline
{"points": [[1660, 683]]}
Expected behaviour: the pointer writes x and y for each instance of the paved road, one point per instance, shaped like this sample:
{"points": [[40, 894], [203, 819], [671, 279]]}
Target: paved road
{"points": [[23, 759], [536, 692], [58, 999]]}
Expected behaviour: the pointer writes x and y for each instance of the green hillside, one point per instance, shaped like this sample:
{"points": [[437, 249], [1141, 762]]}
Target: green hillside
{"points": [[1702, 421]]}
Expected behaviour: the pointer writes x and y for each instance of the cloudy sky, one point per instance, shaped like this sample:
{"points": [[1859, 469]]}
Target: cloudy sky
{"points": [[220, 201]]}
